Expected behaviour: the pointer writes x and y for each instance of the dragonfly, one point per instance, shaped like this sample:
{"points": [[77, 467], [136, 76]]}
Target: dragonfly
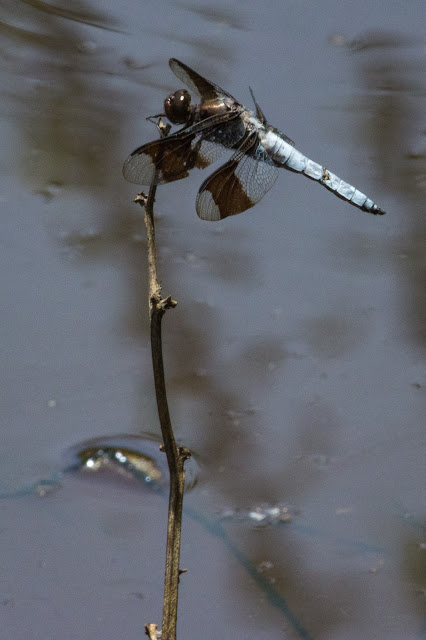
{"points": [[210, 127]]}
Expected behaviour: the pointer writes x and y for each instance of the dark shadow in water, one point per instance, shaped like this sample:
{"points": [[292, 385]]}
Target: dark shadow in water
{"points": [[389, 68]]}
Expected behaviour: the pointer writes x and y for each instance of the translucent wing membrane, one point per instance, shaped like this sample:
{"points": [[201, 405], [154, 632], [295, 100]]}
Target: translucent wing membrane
{"points": [[197, 84]]}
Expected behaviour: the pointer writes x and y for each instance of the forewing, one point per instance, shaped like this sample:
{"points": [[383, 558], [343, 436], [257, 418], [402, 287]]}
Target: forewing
{"points": [[197, 84], [239, 184], [168, 159]]}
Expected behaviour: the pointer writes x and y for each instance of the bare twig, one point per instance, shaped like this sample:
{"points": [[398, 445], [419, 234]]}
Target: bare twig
{"points": [[176, 456]]}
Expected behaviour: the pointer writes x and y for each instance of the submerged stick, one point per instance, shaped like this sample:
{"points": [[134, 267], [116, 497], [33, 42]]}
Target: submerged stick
{"points": [[176, 456]]}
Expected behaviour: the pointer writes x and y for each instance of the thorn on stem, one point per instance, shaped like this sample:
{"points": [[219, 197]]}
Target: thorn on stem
{"points": [[151, 631], [141, 199], [184, 453], [167, 303]]}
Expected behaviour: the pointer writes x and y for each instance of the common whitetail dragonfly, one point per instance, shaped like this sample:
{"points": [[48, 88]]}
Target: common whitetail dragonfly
{"points": [[218, 123]]}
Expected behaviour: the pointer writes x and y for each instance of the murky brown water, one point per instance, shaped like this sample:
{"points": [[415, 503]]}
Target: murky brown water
{"points": [[295, 359]]}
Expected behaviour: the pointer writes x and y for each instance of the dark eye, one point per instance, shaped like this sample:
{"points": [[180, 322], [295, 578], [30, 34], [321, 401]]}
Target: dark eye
{"points": [[177, 107]]}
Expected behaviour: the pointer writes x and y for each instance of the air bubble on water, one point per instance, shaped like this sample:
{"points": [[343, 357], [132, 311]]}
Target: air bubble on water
{"points": [[136, 457], [87, 47]]}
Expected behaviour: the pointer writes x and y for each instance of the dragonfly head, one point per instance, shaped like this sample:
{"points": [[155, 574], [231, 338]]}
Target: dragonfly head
{"points": [[178, 107]]}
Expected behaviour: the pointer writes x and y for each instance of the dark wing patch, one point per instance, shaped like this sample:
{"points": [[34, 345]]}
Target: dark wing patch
{"points": [[169, 159], [239, 184]]}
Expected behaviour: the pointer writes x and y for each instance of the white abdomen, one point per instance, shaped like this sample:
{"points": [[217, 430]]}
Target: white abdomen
{"points": [[286, 155]]}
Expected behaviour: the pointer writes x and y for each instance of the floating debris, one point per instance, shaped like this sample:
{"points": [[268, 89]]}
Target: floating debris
{"points": [[262, 515]]}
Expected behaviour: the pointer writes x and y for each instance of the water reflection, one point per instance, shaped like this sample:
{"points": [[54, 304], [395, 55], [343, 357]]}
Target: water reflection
{"points": [[392, 76], [218, 14]]}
